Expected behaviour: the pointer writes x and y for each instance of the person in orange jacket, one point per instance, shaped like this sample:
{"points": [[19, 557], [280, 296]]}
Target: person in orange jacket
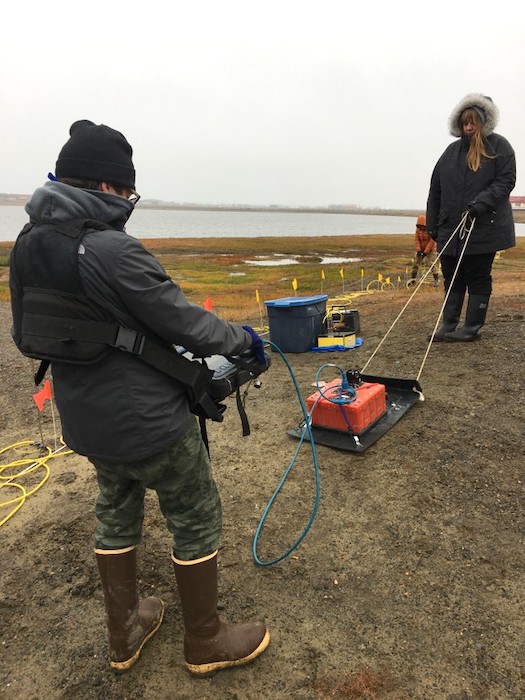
{"points": [[425, 248]]}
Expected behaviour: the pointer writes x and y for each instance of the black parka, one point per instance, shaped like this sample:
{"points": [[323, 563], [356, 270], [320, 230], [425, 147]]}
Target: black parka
{"points": [[119, 409], [454, 186]]}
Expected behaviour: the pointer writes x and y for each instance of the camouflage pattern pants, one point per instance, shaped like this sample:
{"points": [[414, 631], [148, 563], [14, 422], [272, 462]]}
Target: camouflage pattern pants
{"points": [[188, 498]]}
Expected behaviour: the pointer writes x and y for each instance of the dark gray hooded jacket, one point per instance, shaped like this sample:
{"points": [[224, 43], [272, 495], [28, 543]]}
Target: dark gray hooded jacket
{"points": [[454, 186], [120, 408]]}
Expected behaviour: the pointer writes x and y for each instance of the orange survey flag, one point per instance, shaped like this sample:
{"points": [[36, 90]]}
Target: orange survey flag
{"points": [[42, 395], [207, 304]]}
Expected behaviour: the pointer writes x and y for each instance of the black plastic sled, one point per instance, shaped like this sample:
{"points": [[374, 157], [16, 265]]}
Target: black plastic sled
{"points": [[401, 395]]}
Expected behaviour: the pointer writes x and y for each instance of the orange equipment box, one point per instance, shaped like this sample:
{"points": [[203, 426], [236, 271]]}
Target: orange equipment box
{"points": [[368, 406]]}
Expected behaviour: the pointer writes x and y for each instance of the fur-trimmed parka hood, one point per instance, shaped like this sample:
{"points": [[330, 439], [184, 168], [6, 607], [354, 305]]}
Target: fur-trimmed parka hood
{"points": [[483, 105]]}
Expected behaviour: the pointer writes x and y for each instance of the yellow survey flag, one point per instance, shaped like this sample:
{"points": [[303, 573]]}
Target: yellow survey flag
{"points": [[294, 284], [387, 280], [342, 272], [398, 278], [362, 272], [257, 295], [379, 277], [323, 275]]}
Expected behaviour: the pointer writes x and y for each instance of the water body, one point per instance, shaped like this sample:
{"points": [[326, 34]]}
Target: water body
{"points": [[225, 224], [274, 260], [174, 223]]}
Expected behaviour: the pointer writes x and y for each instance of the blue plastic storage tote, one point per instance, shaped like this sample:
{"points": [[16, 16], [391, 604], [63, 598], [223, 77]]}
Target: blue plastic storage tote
{"points": [[295, 322]]}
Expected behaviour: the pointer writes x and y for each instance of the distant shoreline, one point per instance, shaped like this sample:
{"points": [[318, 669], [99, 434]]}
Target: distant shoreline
{"points": [[21, 200]]}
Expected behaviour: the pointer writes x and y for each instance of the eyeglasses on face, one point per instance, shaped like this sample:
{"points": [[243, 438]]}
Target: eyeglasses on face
{"points": [[133, 197]]}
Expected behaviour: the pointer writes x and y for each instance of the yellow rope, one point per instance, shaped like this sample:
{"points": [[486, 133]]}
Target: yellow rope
{"points": [[24, 467]]}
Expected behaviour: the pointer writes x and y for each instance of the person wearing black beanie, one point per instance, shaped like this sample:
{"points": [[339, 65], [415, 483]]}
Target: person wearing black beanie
{"points": [[469, 213], [96, 152], [92, 301]]}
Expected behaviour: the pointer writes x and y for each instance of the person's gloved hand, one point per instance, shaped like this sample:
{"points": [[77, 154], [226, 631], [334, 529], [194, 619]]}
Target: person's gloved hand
{"points": [[257, 346], [470, 212]]}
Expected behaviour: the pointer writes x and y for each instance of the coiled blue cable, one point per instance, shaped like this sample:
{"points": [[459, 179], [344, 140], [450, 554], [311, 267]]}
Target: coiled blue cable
{"points": [[307, 430]]}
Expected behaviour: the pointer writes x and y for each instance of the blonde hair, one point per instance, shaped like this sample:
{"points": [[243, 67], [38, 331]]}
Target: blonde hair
{"points": [[477, 151]]}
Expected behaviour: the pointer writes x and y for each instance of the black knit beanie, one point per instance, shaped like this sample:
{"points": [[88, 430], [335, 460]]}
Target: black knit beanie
{"points": [[96, 152]]}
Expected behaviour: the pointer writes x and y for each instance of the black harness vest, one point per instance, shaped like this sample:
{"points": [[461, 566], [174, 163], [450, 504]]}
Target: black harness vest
{"points": [[60, 323]]}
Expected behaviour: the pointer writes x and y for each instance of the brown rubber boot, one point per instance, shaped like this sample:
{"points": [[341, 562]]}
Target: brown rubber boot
{"points": [[131, 622], [209, 643]]}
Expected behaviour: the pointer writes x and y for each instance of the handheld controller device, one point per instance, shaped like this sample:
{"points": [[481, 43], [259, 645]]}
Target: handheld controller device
{"points": [[230, 373]]}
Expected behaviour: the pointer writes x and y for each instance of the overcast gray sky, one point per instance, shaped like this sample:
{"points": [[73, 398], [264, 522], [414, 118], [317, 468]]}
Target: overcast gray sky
{"points": [[277, 102]]}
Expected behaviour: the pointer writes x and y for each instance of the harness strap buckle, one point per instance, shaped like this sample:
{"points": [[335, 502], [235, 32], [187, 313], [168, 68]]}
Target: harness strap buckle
{"points": [[129, 341]]}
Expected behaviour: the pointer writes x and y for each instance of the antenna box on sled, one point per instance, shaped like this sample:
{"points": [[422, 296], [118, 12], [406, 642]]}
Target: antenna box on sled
{"points": [[356, 417]]}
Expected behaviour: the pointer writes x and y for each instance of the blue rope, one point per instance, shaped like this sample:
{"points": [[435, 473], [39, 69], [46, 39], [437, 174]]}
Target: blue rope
{"points": [[307, 430]]}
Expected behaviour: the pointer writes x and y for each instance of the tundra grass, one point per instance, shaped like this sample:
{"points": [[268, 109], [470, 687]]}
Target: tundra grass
{"points": [[232, 274]]}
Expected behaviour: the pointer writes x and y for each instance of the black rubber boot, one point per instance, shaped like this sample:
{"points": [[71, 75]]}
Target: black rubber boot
{"points": [[475, 319], [451, 314], [209, 643], [131, 621]]}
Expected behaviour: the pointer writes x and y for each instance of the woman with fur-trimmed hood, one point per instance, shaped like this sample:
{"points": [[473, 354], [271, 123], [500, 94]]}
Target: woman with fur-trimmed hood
{"points": [[474, 175]]}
